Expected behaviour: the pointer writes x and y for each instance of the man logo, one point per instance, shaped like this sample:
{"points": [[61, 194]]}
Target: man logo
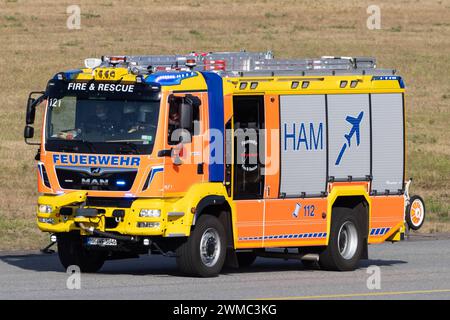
{"points": [[96, 171], [94, 182]]}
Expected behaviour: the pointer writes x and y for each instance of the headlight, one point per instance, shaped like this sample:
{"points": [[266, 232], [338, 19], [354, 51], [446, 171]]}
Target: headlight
{"points": [[45, 208], [150, 213]]}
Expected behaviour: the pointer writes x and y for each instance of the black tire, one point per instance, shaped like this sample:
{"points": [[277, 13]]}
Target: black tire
{"points": [[344, 220], [245, 259], [71, 252], [189, 256], [310, 264], [416, 222]]}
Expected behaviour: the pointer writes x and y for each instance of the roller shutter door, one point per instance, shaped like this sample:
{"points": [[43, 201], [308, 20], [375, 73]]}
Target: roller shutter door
{"points": [[387, 142], [303, 145], [349, 135]]}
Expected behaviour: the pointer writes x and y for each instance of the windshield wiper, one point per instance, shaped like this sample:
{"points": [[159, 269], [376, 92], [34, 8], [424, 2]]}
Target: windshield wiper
{"points": [[70, 148], [128, 147], [74, 146], [89, 144]]}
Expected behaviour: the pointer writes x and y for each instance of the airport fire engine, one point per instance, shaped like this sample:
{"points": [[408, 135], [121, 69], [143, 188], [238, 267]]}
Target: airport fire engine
{"points": [[217, 158]]}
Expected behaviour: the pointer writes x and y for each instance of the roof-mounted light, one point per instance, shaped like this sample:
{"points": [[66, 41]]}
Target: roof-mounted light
{"points": [[61, 76], [114, 60], [139, 79], [190, 63], [215, 64], [92, 63], [199, 54], [134, 70]]}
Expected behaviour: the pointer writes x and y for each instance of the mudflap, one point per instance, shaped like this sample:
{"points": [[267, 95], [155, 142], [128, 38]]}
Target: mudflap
{"points": [[365, 251], [231, 260]]}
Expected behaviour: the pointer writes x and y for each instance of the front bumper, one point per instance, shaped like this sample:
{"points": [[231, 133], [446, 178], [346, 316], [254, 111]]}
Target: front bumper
{"points": [[66, 216]]}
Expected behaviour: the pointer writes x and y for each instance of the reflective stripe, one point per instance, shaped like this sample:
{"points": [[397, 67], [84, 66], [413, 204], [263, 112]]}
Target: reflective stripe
{"points": [[286, 236]]}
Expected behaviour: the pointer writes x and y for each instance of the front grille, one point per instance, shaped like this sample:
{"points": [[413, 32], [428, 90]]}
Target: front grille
{"points": [[85, 178], [109, 202]]}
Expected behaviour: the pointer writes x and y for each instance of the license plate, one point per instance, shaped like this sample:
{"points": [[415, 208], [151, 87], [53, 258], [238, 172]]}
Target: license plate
{"points": [[102, 242]]}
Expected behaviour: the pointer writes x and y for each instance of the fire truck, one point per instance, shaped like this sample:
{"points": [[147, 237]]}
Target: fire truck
{"points": [[218, 158]]}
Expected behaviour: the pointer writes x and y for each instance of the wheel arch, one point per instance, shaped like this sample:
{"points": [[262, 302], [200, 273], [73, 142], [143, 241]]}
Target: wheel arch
{"points": [[354, 198], [219, 207]]}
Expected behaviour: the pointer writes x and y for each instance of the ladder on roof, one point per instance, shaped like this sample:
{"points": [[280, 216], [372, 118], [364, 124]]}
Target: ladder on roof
{"points": [[252, 63]]}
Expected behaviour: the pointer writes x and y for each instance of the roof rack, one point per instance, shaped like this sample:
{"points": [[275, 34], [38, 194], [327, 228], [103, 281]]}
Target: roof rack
{"points": [[232, 64]]}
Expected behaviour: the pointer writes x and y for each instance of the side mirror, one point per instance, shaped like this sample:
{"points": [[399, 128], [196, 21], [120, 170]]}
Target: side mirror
{"points": [[186, 116], [28, 132], [193, 100], [190, 103], [31, 105], [31, 110]]}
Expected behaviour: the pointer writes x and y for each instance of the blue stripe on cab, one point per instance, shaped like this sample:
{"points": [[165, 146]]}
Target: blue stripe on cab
{"points": [[216, 122]]}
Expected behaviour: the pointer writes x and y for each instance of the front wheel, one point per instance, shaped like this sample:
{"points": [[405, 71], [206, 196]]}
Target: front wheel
{"points": [[71, 252], [415, 213], [203, 253], [345, 246]]}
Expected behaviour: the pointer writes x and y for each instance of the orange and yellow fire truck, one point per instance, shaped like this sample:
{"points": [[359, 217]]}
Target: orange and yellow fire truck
{"points": [[217, 158]]}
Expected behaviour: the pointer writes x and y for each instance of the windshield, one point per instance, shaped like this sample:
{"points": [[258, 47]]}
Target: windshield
{"points": [[101, 125]]}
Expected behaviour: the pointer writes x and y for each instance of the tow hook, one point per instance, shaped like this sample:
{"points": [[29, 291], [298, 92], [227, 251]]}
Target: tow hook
{"points": [[93, 231]]}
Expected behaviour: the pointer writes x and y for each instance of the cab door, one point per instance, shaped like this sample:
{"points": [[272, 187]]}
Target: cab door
{"points": [[248, 179], [183, 151]]}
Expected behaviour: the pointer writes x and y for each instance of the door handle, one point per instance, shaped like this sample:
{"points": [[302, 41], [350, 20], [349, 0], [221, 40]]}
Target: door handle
{"points": [[267, 191], [200, 168]]}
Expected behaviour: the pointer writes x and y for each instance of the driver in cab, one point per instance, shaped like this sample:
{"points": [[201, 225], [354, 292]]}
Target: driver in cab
{"points": [[102, 123]]}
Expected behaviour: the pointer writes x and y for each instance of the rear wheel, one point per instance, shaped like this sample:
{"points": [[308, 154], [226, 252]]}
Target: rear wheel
{"points": [[310, 264], [415, 213], [203, 253], [71, 252], [345, 244]]}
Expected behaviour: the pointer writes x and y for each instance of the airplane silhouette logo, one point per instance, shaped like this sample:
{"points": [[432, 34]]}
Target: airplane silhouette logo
{"points": [[355, 122]]}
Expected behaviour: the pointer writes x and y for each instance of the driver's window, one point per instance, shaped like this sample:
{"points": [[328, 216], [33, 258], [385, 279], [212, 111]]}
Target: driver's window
{"points": [[176, 104], [63, 117]]}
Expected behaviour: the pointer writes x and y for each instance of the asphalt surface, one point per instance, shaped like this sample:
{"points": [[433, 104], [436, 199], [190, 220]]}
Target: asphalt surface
{"points": [[415, 269]]}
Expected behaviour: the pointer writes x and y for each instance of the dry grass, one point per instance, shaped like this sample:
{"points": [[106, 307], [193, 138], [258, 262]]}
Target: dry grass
{"points": [[35, 44]]}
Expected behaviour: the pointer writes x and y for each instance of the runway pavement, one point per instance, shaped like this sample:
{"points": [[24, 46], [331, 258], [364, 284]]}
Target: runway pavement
{"points": [[414, 269]]}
